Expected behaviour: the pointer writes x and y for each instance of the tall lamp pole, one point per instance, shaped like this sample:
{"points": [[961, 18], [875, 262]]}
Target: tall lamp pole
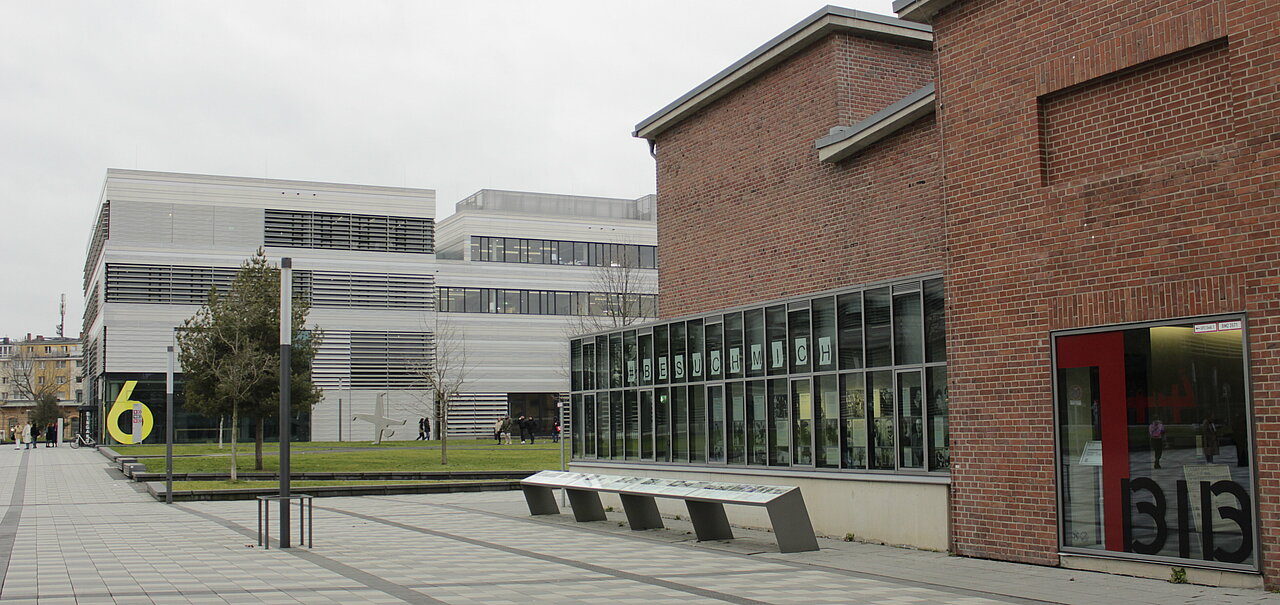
{"points": [[286, 340], [168, 429]]}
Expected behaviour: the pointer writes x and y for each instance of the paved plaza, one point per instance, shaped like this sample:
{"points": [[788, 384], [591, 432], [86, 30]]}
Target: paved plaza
{"points": [[75, 531]]}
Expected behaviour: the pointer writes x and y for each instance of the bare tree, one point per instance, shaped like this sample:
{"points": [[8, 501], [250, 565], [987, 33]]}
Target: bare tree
{"points": [[442, 374], [614, 298], [26, 370]]}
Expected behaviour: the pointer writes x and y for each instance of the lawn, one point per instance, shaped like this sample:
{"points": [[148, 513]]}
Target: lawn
{"points": [[495, 458], [188, 449]]}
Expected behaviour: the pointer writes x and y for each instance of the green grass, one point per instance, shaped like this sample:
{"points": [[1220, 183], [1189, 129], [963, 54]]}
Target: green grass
{"points": [[203, 485], [503, 458], [188, 449]]}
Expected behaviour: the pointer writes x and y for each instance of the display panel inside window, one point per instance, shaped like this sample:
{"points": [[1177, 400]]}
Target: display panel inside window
{"points": [[1153, 434], [844, 381]]}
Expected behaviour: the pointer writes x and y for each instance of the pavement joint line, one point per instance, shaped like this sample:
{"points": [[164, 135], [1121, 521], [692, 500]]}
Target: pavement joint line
{"points": [[12, 519], [169, 592], [794, 564], [369, 580], [607, 571]]}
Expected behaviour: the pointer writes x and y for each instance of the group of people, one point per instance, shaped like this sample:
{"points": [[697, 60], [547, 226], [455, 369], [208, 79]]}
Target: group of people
{"points": [[424, 429], [27, 436], [528, 426]]}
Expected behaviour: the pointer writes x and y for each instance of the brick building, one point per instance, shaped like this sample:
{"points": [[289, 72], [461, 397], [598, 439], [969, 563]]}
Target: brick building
{"points": [[1112, 218], [1095, 183]]}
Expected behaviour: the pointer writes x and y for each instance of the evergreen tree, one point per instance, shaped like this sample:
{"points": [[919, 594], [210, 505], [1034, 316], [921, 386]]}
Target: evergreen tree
{"points": [[230, 353]]}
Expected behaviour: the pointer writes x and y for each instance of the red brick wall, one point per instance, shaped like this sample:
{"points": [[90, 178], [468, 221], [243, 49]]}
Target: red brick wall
{"points": [[1105, 163], [746, 212]]}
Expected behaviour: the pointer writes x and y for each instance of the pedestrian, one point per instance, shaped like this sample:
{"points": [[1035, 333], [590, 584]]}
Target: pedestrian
{"points": [[26, 436], [17, 437], [51, 435], [422, 429], [523, 425], [1209, 436], [507, 426], [426, 428], [555, 432], [1156, 431], [531, 425], [497, 429]]}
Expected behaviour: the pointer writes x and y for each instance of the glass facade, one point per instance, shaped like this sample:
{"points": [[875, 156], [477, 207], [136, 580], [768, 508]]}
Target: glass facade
{"points": [[546, 302], [1154, 456], [852, 380], [559, 252]]}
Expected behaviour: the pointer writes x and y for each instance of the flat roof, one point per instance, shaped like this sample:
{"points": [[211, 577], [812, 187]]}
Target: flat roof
{"points": [[920, 10], [813, 28]]}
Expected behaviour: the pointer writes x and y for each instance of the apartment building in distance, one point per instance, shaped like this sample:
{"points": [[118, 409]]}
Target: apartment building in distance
{"points": [[40, 364], [365, 256]]}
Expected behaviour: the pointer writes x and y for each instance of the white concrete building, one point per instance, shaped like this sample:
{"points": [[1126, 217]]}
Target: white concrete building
{"points": [[365, 255]]}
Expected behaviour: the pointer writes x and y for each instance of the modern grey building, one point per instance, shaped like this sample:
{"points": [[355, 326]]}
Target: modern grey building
{"points": [[366, 258]]}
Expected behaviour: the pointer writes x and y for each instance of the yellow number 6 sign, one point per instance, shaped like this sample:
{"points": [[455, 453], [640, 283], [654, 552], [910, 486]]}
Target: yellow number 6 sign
{"points": [[124, 404]]}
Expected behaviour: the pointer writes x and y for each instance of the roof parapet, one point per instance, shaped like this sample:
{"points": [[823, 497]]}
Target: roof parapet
{"points": [[920, 11], [844, 142]]}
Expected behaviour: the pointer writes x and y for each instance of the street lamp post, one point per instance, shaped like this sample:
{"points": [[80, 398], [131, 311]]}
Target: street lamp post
{"points": [[286, 340], [168, 429]]}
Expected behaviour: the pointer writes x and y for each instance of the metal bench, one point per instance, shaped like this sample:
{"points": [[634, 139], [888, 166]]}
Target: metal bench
{"points": [[704, 499]]}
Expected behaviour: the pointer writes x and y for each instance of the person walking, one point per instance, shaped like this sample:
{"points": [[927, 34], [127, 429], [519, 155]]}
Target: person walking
{"points": [[497, 429], [507, 426], [422, 429], [1156, 431], [51, 435], [26, 436], [531, 426], [555, 432], [426, 428]]}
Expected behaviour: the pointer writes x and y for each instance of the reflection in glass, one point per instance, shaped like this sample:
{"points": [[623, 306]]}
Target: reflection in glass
{"points": [[679, 425], [679, 364], [697, 424], [662, 426], [827, 421], [798, 340], [753, 322], [645, 345], [632, 358], [736, 421], [908, 329], [780, 425], [715, 356], [734, 362], [824, 334], [646, 425], [697, 357], [616, 414], [853, 410], [575, 424], [939, 433], [716, 424], [878, 329], [604, 441], [775, 350], [849, 324], [911, 421], [802, 422], [935, 322], [632, 445], [660, 359], [575, 365], [880, 393], [757, 423]]}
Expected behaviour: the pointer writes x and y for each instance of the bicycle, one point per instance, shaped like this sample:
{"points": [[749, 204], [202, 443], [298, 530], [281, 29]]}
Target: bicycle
{"points": [[84, 440]]}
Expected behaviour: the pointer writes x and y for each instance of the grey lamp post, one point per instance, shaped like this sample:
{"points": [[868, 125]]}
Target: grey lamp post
{"points": [[286, 341]]}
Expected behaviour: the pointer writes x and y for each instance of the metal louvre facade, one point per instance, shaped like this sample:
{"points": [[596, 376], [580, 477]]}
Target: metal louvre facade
{"points": [[389, 360], [339, 231]]}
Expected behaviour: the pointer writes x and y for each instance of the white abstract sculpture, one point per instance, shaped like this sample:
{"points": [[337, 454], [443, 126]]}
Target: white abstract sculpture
{"points": [[379, 420]]}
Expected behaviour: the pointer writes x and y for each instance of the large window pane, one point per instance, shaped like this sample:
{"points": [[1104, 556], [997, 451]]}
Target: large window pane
{"points": [[775, 319], [1148, 418], [617, 415], [645, 345], [615, 360], [697, 357], [737, 422], [826, 431], [824, 334], [798, 340], [662, 425], [646, 425], [660, 355], [632, 405], [715, 356], [678, 363], [697, 424], [575, 365], [757, 423], [588, 365], [908, 329], [602, 362], [716, 424], [631, 356], [849, 322], [575, 425], [880, 395], [754, 341], [935, 322], [604, 436], [939, 437], [733, 345], [802, 422], [679, 425], [589, 431], [911, 420], [879, 328], [853, 411], [780, 423]]}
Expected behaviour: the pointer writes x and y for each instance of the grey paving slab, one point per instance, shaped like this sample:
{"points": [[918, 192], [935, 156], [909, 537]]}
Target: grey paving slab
{"points": [[74, 531]]}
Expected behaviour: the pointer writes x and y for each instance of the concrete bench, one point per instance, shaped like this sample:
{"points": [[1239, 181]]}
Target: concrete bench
{"points": [[704, 499]]}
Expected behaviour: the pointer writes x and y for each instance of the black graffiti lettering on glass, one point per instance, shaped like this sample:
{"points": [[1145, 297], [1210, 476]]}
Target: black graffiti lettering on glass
{"points": [[1157, 510], [1154, 510]]}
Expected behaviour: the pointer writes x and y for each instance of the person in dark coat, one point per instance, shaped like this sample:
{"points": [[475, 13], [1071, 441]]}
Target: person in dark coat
{"points": [[422, 429], [51, 435]]}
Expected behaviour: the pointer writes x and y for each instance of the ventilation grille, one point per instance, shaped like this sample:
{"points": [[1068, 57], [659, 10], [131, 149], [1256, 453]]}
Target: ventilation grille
{"points": [[336, 231], [389, 360], [101, 232]]}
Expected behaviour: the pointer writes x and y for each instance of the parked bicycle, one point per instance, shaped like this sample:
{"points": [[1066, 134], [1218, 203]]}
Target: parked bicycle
{"points": [[84, 440]]}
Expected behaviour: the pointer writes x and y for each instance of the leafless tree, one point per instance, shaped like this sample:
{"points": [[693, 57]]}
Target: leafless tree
{"points": [[29, 379], [614, 297], [442, 373]]}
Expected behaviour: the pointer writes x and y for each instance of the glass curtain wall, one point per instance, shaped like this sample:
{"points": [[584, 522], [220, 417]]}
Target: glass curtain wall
{"points": [[852, 380]]}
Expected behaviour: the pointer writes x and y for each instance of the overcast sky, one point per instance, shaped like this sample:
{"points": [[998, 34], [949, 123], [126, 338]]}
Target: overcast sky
{"points": [[453, 96]]}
